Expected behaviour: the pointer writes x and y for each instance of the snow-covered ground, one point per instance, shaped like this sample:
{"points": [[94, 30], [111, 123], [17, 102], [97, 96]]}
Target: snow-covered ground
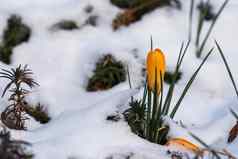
{"points": [[62, 62]]}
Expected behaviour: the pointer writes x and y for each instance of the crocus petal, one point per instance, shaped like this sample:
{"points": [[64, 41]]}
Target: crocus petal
{"points": [[183, 143]]}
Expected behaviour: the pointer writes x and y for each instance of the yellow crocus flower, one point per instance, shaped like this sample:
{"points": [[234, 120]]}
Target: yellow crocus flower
{"points": [[155, 62]]}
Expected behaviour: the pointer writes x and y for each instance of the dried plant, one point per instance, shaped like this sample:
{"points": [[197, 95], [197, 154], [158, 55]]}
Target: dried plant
{"points": [[13, 149], [38, 112], [14, 115], [210, 151], [138, 9]]}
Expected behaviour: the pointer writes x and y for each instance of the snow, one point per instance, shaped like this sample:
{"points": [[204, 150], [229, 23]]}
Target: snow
{"points": [[62, 62]]}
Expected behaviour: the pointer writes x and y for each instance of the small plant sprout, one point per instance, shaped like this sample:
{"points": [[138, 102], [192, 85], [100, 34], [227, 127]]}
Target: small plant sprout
{"points": [[200, 46], [205, 13], [146, 116], [14, 115]]}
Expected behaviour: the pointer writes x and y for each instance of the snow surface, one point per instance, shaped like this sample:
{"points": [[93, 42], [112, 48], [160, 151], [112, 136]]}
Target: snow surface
{"points": [[62, 62]]}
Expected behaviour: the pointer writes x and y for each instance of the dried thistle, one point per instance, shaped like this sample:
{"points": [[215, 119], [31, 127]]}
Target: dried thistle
{"points": [[14, 115]]}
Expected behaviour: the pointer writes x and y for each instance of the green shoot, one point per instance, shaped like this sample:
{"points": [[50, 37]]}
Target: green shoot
{"points": [[227, 67], [190, 20], [201, 47], [189, 84]]}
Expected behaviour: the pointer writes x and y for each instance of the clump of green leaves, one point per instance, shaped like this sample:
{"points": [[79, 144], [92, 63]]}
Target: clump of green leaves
{"points": [[168, 77], [14, 114], [135, 116], [108, 73], [13, 149], [146, 116], [39, 113], [66, 25], [14, 34], [137, 9]]}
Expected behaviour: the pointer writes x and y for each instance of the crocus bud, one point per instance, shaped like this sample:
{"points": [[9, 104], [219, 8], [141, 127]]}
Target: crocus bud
{"points": [[155, 67]]}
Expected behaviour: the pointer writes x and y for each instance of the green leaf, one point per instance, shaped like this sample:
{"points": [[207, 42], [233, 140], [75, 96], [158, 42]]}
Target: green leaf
{"points": [[171, 88], [190, 20], [234, 114], [227, 67], [189, 84]]}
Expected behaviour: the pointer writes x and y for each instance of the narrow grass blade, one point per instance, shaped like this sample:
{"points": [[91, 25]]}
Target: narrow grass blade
{"points": [[170, 91], [180, 54], [171, 88], [7, 87], [234, 114], [161, 98], [227, 67], [189, 84], [210, 28], [144, 94], [129, 80], [200, 26], [190, 20], [148, 114], [129, 77], [143, 104], [184, 52], [154, 107], [159, 113]]}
